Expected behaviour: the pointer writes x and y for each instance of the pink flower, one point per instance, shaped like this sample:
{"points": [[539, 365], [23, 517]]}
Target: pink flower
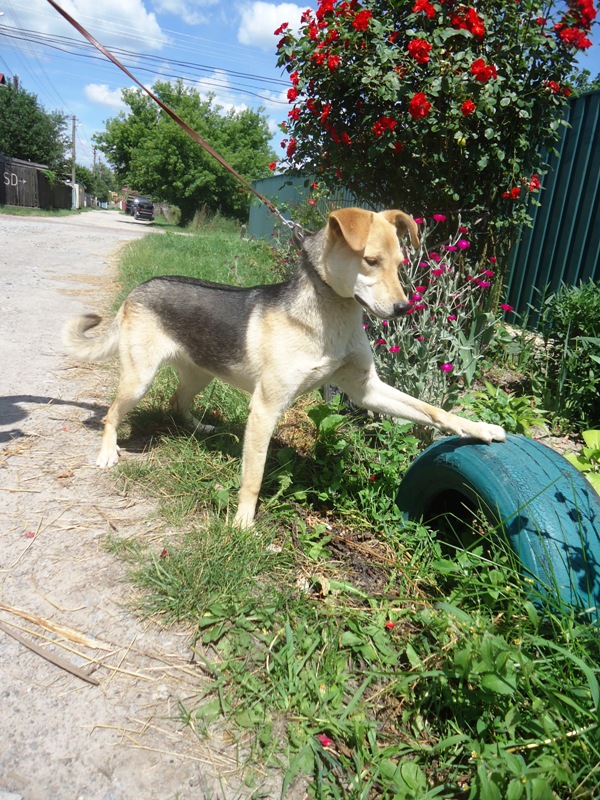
{"points": [[395, 348], [420, 288], [437, 272], [483, 284], [489, 273], [385, 323], [416, 296], [493, 260], [434, 257], [420, 338], [419, 220], [446, 367], [463, 244], [451, 247], [451, 317], [439, 217], [324, 740], [380, 342], [506, 307], [390, 625]]}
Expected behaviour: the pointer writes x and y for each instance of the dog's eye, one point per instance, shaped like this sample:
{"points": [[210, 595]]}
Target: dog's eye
{"points": [[372, 261]]}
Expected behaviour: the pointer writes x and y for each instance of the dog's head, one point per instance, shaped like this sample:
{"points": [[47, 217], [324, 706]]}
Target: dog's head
{"points": [[362, 255]]}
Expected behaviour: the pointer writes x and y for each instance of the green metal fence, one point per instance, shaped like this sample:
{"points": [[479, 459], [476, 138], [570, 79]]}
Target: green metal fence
{"points": [[563, 243]]}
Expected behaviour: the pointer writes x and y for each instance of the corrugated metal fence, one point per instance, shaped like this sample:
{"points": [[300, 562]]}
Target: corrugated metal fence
{"points": [[563, 244], [23, 183]]}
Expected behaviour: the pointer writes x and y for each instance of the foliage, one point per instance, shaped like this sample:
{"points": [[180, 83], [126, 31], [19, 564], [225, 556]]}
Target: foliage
{"points": [[434, 351], [432, 106], [30, 133], [499, 406], [583, 82], [150, 152], [569, 363], [588, 461], [100, 182]]}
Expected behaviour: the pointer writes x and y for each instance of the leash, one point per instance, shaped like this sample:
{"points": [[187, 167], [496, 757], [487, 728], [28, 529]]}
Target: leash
{"points": [[190, 131]]}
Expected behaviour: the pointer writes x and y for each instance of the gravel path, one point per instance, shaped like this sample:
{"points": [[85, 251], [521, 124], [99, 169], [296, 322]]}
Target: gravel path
{"points": [[62, 738]]}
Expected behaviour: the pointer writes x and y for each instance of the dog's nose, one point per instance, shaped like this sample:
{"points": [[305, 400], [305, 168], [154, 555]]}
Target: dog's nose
{"points": [[400, 309]]}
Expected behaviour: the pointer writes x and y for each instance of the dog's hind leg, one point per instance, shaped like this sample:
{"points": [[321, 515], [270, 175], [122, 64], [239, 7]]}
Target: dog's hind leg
{"points": [[134, 382], [192, 381], [262, 419]]}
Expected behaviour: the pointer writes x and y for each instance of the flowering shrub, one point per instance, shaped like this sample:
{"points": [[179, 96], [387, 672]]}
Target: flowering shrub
{"points": [[431, 105], [434, 351]]}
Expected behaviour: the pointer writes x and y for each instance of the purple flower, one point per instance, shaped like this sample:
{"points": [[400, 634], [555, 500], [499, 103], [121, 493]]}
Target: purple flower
{"points": [[446, 367]]}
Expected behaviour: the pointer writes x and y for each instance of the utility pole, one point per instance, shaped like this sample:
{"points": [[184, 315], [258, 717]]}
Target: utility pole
{"points": [[94, 168], [73, 183]]}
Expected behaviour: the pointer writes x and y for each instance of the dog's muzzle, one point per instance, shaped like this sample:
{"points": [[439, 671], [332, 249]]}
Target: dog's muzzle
{"points": [[400, 309]]}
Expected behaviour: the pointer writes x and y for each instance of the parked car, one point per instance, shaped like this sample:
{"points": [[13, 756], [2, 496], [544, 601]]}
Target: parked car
{"points": [[140, 207]]}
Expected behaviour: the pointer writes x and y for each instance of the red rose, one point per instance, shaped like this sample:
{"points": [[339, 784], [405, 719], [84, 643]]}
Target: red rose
{"points": [[419, 106], [292, 94], [482, 71], [424, 5], [361, 20], [419, 49], [467, 108], [333, 63]]}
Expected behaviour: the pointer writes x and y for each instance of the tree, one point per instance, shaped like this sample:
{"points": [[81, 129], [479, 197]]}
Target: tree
{"points": [[432, 106], [30, 133], [150, 152]]}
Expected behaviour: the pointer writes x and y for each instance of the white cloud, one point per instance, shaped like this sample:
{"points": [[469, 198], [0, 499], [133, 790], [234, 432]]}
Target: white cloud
{"points": [[100, 94], [219, 86], [261, 19], [122, 23], [192, 12]]}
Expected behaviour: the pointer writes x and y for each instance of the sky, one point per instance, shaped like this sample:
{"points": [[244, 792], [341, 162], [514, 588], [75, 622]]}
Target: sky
{"points": [[221, 47]]}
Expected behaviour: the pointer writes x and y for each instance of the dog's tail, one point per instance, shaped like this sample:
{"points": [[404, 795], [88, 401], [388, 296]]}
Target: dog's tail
{"points": [[90, 348]]}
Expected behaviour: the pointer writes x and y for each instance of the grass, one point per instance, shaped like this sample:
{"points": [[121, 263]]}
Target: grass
{"points": [[21, 211], [360, 651]]}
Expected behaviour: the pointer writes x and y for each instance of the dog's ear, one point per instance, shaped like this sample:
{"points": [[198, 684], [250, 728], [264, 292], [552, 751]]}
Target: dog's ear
{"points": [[353, 225], [404, 223]]}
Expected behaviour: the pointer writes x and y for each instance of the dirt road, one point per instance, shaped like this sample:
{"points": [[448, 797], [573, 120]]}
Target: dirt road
{"points": [[62, 738]]}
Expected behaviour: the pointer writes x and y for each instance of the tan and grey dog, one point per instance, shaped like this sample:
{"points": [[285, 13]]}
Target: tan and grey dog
{"points": [[275, 342]]}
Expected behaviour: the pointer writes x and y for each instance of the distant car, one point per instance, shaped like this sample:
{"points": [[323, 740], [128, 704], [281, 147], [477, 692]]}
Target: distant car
{"points": [[140, 207]]}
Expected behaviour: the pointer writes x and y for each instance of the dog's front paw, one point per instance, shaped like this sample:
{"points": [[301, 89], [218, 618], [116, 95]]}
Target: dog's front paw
{"points": [[108, 457], [487, 433]]}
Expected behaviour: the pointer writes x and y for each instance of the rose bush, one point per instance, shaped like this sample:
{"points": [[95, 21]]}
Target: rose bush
{"points": [[430, 106]]}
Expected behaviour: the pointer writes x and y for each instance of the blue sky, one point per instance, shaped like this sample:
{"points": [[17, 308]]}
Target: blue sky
{"points": [[227, 48]]}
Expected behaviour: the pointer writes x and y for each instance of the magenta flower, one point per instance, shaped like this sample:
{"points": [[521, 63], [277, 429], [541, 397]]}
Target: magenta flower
{"points": [[423, 264], [483, 284], [506, 307], [493, 260], [385, 323], [395, 348], [489, 272], [439, 217], [416, 296], [434, 257], [420, 338], [379, 342], [462, 244], [451, 247], [437, 272], [451, 317], [420, 288], [462, 229], [419, 220], [446, 367], [324, 740], [390, 625]]}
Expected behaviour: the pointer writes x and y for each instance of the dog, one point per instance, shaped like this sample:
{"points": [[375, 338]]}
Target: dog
{"points": [[276, 341]]}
